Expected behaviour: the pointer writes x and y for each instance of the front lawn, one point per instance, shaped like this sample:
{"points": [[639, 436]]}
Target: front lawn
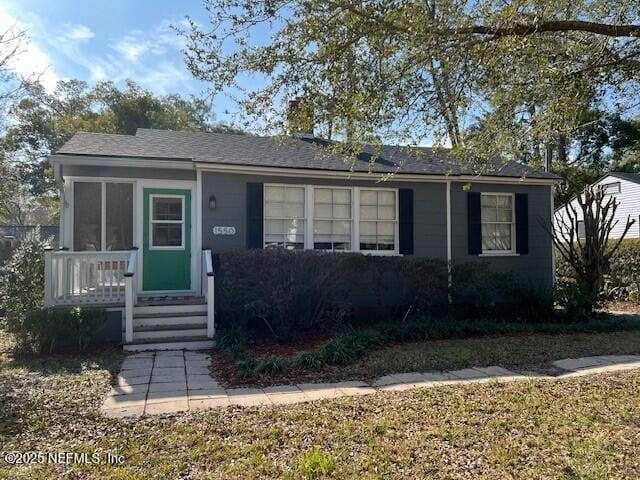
{"points": [[580, 428]]}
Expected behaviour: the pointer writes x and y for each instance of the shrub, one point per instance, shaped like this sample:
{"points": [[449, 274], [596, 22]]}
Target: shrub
{"points": [[623, 279], [22, 285], [269, 365], [48, 330], [282, 292], [428, 283], [477, 288], [308, 360], [534, 303]]}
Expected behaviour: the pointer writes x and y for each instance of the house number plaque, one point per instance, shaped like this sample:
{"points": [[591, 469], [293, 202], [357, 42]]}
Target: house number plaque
{"points": [[224, 230]]}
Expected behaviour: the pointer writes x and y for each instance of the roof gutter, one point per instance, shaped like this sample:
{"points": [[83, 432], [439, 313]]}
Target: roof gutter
{"points": [[115, 161], [400, 177]]}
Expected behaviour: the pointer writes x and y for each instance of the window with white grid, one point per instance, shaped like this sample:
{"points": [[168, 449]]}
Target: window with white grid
{"points": [[332, 219], [497, 222], [377, 220], [284, 216]]}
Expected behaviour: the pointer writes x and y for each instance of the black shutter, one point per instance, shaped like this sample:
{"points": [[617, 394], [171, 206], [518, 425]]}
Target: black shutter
{"points": [[254, 215], [405, 220], [522, 223], [474, 223]]}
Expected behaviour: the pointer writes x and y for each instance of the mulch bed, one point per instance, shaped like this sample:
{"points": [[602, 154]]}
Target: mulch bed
{"points": [[626, 307]]}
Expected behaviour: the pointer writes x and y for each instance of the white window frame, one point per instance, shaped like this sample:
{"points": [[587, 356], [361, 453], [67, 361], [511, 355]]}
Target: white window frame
{"points": [[355, 217], [396, 228], [70, 197], [152, 221], [607, 186], [305, 219], [497, 253], [321, 219]]}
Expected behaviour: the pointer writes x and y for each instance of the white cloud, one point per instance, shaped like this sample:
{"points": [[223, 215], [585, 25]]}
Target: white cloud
{"points": [[78, 32], [130, 48], [32, 62], [163, 78]]}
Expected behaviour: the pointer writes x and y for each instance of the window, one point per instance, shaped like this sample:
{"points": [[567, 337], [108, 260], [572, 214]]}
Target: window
{"points": [[580, 230], [119, 213], [497, 222], [167, 222], [333, 214], [332, 219], [97, 228], [284, 216], [611, 188], [87, 221], [377, 219]]}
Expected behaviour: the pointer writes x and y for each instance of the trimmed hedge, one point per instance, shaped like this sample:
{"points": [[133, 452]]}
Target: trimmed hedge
{"points": [[57, 329], [284, 295]]}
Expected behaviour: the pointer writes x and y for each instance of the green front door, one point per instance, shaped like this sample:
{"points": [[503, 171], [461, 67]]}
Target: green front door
{"points": [[166, 256]]}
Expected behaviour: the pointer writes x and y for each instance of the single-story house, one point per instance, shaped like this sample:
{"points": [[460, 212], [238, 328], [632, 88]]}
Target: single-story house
{"points": [[625, 187], [142, 214]]}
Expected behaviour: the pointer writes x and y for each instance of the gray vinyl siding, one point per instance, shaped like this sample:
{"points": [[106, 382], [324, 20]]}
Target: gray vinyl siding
{"points": [[536, 266], [430, 222], [430, 231], [127, 172]]}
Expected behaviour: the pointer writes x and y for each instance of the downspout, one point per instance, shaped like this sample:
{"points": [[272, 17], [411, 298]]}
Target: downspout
{"points": [[552, 230], [449, 278]]}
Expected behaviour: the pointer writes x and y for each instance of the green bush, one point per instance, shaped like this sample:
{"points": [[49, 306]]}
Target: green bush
{"points": [[269, 365], [476, 290], [534, 303], [622, 281], [48, 330], [282, 293], [285, 294], [22, 285]]}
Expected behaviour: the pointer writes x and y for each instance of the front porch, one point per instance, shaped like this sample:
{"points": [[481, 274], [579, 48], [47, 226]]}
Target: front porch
{"points": [[150, 321]]}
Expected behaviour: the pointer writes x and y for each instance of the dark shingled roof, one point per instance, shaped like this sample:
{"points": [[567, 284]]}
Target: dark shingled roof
{"points": [[281, 152], [632, 177]]}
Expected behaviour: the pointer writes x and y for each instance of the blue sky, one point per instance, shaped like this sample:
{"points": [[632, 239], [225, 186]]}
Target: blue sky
{"points": [[109, 40]]}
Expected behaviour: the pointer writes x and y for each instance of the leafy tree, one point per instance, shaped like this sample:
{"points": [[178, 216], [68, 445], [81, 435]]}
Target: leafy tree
{"points": [[12, 44], [588, 255], [491, 77], [42, 122]]}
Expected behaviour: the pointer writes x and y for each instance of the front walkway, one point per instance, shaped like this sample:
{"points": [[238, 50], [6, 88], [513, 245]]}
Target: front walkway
{"points": [[176, 381]]}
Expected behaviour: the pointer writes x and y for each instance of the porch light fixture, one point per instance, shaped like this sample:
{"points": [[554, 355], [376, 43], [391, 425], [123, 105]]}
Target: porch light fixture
{"points": [[212, 202]]}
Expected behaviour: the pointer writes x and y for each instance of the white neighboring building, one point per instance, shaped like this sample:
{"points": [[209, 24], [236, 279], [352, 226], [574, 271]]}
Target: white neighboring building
{"points": [[626, 188]]}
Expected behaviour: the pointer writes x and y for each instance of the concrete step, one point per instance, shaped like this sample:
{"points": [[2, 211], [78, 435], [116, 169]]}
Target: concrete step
{"points": [[142, 309], [160, 320], [196, 343], [164, 333]]}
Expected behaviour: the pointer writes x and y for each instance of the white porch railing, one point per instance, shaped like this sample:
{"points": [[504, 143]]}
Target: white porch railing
{"points": [[130, 295], [74, 278], [208, 291]]}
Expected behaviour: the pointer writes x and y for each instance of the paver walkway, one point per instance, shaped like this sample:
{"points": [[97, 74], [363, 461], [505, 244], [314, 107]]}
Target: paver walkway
{"points": [[153, 383]]}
